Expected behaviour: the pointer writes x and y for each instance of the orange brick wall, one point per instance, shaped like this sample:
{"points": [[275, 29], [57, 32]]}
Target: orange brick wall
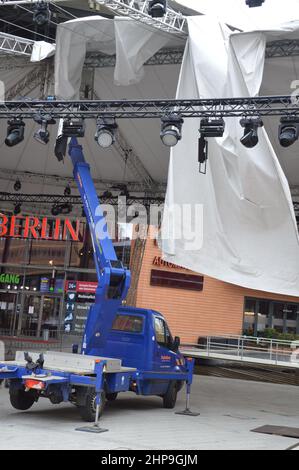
{"points": [[216, 310]]}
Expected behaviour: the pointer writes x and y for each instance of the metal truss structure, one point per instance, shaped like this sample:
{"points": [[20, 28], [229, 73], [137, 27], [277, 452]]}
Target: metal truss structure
{"points": [[51, 199], [141, 109], [10, 44], [133, 187], [174, 56], [173, 22], [282, 48], [32, 80]]}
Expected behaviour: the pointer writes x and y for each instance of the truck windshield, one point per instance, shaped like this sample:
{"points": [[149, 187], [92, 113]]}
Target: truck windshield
{"points": [[128, 323]]}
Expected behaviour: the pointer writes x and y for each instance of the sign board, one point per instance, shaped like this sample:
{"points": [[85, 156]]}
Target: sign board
{"points": [[40, 228], [8, 278], [81, 287]]}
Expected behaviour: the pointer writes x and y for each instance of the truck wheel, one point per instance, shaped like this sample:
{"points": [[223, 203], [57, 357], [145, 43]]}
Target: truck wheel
{"points": [[111, 396], [88, 412], [169, 399], [22, 400]]}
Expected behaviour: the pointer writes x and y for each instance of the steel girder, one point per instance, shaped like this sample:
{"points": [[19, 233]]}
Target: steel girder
{"points": [[140, 109]]}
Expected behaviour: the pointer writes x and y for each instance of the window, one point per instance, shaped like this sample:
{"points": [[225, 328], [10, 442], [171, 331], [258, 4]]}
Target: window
{"points": [[128, 323], [176, 280], [163, 336], [260, 314]]}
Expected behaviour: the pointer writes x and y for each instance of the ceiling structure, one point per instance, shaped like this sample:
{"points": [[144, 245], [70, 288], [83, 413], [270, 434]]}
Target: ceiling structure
{"points": [[138, 159]]}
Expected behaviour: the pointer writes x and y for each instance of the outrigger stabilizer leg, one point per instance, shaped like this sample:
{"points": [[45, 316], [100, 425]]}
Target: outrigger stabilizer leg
{"points": [[187, 411], [95, 428]]}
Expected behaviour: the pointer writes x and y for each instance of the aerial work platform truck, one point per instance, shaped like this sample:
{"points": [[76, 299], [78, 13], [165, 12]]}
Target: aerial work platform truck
{"points": [[123, 348]]}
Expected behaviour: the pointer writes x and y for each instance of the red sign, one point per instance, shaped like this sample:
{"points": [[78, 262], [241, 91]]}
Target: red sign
{"points": [[39, 228], [81, 287]]}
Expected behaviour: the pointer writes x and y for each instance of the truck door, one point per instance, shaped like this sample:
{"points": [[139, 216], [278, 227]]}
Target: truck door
{"points": [[164, 358]]}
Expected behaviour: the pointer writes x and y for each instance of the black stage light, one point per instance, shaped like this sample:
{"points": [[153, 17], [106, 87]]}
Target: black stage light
{"points": [[18, 185], [63, 208], [288, 131], [73, 127], [212, 127], [15, 132], [67, 190], [41, 14], [171, 129], [17, 209], [250, 138], [42, 135], [157, 8], [105, 134], [60, 147], [254, 3]]}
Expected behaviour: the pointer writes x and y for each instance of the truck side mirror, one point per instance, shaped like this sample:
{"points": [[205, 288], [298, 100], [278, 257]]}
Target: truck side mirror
{"points": [[176, 343]]}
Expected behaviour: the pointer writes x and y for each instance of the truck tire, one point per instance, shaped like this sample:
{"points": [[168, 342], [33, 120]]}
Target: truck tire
{"points": [[169, 399], [111, 396], [88, 412], [22, 400]]}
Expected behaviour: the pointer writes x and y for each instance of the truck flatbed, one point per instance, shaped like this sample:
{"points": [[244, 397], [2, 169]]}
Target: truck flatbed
{"points": [[70, 363]]}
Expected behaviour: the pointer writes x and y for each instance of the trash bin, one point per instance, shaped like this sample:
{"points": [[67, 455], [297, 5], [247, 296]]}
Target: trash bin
{"points": [[46, 335]]}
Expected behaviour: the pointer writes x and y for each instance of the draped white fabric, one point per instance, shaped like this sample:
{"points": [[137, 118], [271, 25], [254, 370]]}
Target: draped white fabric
{"points": [[132, 43], [249, 233]]}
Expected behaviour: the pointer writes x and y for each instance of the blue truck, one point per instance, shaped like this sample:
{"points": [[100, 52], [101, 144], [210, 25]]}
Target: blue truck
{"points": [[123, 348]]}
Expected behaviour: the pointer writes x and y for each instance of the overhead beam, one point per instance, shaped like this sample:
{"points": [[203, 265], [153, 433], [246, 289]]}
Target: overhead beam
{"points": [[16, 198], [140, 109], [173, 22], [57, 181], [15, 45]]}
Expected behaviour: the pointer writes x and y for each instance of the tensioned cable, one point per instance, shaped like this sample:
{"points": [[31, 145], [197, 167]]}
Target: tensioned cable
{"points": [[25, 29]]}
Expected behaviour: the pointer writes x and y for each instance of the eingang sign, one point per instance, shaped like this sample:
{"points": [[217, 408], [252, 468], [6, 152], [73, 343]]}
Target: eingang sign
{"points": [[39, 228], [6, 278]]}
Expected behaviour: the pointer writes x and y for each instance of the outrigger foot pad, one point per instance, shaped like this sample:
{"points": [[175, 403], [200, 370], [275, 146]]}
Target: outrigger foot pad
{"points": [[94, 429], [187, 412]]}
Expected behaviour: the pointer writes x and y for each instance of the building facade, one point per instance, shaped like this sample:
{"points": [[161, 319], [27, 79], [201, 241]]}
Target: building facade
{"points": [[203, 306], [47, 275], [48, 282]]}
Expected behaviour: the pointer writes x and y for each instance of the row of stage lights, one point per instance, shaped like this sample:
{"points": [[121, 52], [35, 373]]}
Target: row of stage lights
{"points": [[170, 134]]}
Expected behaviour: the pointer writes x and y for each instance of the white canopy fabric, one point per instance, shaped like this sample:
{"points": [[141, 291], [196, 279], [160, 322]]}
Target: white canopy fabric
{"points": [[132, 42], [249, 235]]}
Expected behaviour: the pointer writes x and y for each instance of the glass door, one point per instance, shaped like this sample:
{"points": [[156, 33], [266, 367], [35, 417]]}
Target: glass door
{"points": [[31, 315], [49, 318]]}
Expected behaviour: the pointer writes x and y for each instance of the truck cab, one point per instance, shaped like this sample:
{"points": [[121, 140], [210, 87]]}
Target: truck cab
{"points": [[142, 339]]}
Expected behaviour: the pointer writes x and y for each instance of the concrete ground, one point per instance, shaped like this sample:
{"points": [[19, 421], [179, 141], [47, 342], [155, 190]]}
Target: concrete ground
{"points": [[230, 409]]}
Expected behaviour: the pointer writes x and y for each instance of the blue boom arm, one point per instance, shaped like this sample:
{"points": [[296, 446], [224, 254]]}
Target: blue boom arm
{"points": [[113, 278]]}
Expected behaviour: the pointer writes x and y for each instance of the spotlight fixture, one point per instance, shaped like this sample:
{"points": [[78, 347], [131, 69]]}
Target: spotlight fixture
{"points": [[254, 3], [212, 127], [41, 13], [157, 8], [67, 190], [171, 129], [73, 127], [250, 138], [42, 135], [288, 131], [106, 195], [15, 132], [17, 209], [105, 134], [18, 185], [64, 209]]}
